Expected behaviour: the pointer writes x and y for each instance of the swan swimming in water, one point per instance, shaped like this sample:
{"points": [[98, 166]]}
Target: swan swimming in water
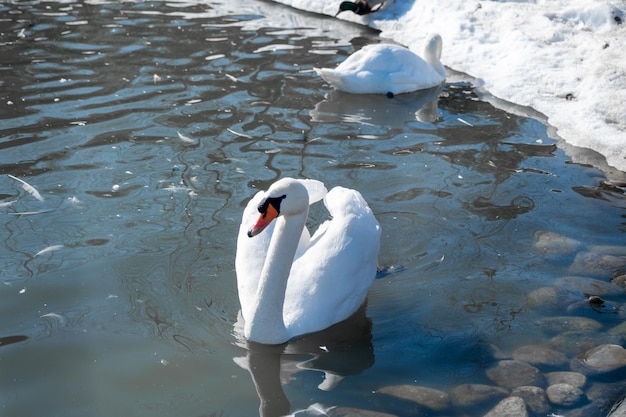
{"points": [[388, 69], [291, 283]]}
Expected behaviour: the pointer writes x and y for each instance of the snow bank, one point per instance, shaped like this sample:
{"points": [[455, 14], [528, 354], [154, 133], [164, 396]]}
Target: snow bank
{"points": [[563, 58]]}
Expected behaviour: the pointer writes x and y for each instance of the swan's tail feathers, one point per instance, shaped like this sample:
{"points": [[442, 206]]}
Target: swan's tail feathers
{"points": [[329, 75]]}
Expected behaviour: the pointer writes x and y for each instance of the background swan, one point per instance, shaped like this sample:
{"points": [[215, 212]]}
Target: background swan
{"points": [[388, 68], [291, 283]]}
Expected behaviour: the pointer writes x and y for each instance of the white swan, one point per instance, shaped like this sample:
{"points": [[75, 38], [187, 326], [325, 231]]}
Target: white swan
{"points": [[290, 283], [388, 69]]}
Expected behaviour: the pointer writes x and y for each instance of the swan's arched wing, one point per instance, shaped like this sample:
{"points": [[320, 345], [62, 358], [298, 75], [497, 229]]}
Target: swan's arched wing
{"points": [[411, 73], [330, 280], [315, 189]]}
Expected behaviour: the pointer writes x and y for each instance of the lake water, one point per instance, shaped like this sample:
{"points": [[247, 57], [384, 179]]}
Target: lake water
{"points": [[147, 126]]}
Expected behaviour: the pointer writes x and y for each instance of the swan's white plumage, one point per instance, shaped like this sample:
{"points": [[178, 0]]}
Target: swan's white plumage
{"points": [[388, 68], [330, 273]]}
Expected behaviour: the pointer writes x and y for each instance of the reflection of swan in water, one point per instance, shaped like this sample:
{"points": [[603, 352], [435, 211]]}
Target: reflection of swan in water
{"points": [[342, 350], [378, 110]]}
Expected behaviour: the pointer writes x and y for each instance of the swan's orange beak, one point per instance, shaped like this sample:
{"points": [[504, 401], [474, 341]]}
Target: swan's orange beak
{"points": [[263, 221]]}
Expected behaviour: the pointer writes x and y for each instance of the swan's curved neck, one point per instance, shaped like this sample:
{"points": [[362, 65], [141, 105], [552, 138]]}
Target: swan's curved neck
{"points": [[266, 324], [432, 55]]}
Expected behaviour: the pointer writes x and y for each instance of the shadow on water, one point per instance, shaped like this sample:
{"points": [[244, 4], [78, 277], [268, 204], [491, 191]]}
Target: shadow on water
{"points": [[343, 350]]}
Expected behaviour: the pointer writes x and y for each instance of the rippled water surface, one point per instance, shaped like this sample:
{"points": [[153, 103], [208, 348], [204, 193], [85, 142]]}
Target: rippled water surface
{"points": [[147, 126]]}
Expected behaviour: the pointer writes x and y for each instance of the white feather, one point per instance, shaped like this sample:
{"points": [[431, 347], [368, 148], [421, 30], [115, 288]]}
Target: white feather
{"points": [[49, 249], [28, 188]]}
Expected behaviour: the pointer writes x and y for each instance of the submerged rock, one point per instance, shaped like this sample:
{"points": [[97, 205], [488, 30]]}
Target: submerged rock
{"points": [[619, 280], [617, 250], [539, 355], [619, 330], [509, 407], [535, 398], [550, 299], [588, 286], [575, 342], [564, 395], [468, 395], [554, 245], [606, 392], [356, 412], [513, 374], [555, 325], [600, 360], [575, 379], [429, 398], [597, 264]]}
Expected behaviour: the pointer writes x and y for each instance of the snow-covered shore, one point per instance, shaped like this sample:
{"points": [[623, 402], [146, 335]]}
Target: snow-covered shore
{"points": [[562, 58]]}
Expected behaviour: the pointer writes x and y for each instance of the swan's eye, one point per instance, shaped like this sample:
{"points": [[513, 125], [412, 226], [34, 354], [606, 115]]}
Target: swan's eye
{"points": [[273, 201]]}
